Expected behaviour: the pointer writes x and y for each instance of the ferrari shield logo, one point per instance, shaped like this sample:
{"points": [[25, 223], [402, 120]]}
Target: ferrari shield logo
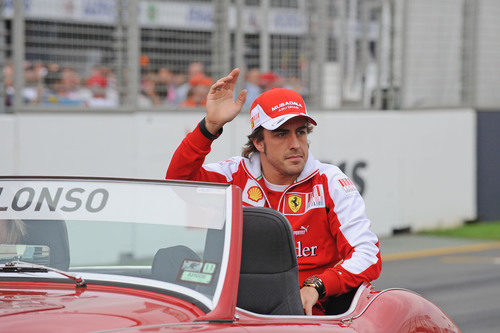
{"points": [[294, 202]]}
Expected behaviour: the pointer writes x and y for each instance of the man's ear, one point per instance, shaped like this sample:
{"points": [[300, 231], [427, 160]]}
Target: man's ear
{"points": [[259, 144]]}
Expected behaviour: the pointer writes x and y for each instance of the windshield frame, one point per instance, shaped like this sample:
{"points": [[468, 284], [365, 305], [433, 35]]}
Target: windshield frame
{"points": [[227, 273]]}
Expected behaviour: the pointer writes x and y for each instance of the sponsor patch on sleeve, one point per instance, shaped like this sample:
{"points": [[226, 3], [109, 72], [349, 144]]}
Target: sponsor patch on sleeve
{"points": [[347, 185], [253, 195]]}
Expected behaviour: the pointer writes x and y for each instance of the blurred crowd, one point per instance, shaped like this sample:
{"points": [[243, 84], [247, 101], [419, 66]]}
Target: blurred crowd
{"points": [[51, 84]]}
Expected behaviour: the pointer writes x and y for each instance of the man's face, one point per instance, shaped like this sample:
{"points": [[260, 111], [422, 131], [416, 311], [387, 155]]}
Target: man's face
{"points": [[284, 151]]}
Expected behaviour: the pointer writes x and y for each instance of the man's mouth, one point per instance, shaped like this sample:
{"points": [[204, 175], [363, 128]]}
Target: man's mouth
{"points": [[294, 157]]}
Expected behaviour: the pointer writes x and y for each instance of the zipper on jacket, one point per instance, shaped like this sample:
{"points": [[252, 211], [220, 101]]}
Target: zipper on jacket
{"points": [[282, 209]]}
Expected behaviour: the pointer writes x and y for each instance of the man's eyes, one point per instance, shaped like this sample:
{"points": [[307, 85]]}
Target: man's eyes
{"points": [[283, 134], [301, 132]]}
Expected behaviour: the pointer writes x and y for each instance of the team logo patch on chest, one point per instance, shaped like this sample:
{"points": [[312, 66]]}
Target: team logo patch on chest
{"points": [[252, 194], [295, 202], [299, 203], [255, 193]]}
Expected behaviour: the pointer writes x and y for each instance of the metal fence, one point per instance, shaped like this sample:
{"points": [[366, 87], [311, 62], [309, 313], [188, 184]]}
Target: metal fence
{"points": [[134, 54]]}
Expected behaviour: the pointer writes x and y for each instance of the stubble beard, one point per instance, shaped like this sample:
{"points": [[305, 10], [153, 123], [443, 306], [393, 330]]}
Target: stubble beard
{"points": [[281, 168]]}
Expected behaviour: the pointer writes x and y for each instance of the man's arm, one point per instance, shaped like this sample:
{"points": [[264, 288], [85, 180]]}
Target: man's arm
{"points": [[187, 161], [356, 243]]}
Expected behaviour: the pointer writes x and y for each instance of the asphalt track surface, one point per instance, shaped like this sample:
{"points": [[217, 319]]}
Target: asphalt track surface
{"points": [[460, 276]]}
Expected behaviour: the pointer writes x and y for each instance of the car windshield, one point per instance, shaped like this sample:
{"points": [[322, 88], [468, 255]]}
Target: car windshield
{"points": [[157, 234]]}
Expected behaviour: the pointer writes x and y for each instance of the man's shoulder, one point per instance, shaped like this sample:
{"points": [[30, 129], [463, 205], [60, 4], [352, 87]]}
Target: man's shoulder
{"points": [[232, 161], [337, 180], [226, 167], [329, 170]]}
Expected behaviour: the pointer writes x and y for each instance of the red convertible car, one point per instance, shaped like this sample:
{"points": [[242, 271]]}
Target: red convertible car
{"points": [[118, 255]]}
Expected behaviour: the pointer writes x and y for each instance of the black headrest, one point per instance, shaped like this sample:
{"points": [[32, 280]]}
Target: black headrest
{"points": [[268, 236], [168, 261], [269, 276]]}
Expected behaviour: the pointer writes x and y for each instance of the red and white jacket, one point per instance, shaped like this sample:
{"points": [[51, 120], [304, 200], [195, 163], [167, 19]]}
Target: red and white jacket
{"points": [[332, 233]]}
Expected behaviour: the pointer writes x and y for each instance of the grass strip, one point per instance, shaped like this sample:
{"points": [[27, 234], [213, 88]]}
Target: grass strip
{"points": [[480, 230]]}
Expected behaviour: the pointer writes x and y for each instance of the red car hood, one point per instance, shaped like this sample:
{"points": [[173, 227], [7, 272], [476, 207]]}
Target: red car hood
{"points": [[37, 307]]}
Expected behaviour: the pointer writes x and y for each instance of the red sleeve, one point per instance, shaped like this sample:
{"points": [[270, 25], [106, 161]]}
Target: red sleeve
{"points": [[187, 161], [357, 245]]}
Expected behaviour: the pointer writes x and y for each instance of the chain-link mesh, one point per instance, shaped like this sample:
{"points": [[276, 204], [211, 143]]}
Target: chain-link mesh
{"points": [[133, 54], [7, 72], [70, 52]]}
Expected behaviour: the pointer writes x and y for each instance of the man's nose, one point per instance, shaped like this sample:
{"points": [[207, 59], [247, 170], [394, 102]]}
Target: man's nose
{"points": [[294, 141]]}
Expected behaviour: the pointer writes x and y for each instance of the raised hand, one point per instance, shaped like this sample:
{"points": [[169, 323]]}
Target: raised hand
{"points": [[221, 108]]}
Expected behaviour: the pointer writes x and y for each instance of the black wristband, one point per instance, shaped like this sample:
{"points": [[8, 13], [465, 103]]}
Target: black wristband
{"points": [[206, 133], [316, 283]]}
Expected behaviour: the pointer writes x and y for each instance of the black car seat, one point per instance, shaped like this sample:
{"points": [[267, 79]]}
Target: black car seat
{"points": [[51, 233], [167, 263], [269, 275]]}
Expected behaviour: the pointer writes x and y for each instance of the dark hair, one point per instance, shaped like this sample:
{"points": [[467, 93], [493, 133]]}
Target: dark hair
{"points": [[249, 147], [258, 134]]}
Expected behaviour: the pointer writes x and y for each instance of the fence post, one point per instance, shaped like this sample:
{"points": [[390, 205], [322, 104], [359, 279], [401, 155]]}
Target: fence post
{"points": [[133, 51], [119, 49], [342, 47], [18, 54], [318, 28], [240, 44], [391, 93], [264, 40], [469, 53], [221, 47], [380, 54], [2, 57]]}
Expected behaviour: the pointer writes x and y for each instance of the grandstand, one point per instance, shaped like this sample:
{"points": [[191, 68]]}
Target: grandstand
{"points": [[368, 54]]}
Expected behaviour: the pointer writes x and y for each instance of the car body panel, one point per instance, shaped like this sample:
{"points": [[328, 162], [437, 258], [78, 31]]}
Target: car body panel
{"points": [[34, 306], [114, 302]]}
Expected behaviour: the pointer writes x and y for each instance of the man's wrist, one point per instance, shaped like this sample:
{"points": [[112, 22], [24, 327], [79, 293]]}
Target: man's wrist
{"points": [[209, 132], [316, 283]]}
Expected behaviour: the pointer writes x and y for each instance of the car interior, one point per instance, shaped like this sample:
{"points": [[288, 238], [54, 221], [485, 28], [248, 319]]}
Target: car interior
{"points": [[268, 284], [52, 233]]}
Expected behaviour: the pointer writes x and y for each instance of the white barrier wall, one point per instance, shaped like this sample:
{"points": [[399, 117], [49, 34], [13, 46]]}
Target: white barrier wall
{"points": [[415, 169]]}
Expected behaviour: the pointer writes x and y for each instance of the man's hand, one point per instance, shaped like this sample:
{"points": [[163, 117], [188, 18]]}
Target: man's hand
{"points": [[221, 108], [309, 297]]}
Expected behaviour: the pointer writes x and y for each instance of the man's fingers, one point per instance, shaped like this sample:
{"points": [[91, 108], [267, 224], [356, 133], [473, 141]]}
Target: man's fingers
{"points": [[217, 86], [242, 96], [226, 82], [234, 75], [309, 297], [308, 310]]}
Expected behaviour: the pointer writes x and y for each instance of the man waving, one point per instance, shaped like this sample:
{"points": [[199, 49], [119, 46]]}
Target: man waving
{"points": [[336, 250]]}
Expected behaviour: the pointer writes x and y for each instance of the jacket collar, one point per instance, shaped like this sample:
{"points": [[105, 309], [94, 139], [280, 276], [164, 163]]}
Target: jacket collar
{"points": [[252, 165]]}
